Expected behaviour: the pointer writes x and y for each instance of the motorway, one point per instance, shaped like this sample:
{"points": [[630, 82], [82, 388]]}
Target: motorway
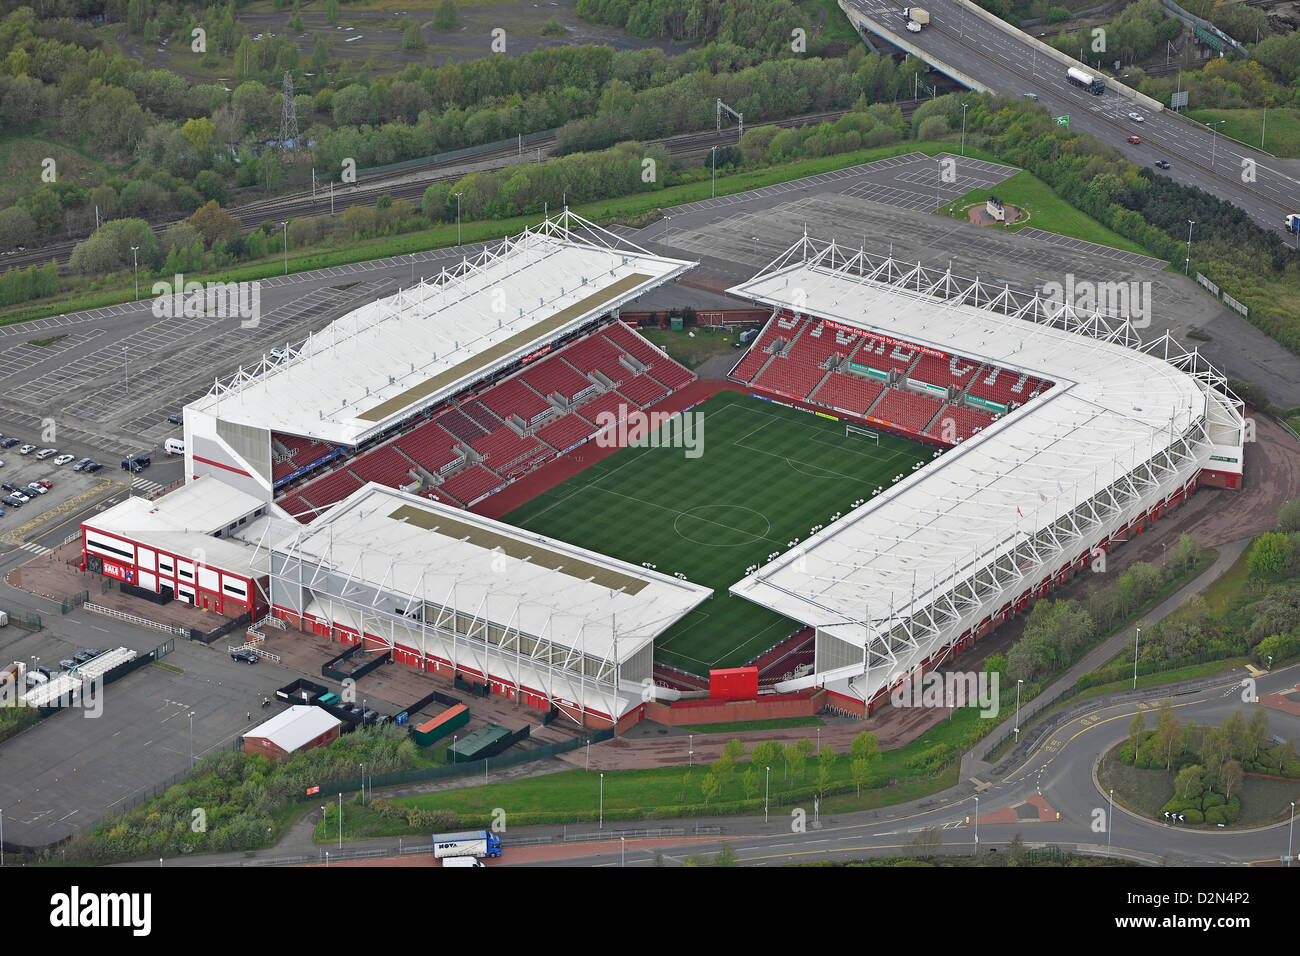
{"points": [[1006, 61]]}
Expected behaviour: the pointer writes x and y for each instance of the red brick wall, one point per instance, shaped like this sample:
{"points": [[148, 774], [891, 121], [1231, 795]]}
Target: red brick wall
{"points": [[723, 711]]}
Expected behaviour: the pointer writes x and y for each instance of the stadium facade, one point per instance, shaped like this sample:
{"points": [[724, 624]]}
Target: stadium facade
{"points": [[1119, 433]]}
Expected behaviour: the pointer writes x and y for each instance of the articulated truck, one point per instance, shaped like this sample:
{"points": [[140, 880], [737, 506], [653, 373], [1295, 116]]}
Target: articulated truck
{"points": [[1086, 81], [1292, 222], [472, 843]]}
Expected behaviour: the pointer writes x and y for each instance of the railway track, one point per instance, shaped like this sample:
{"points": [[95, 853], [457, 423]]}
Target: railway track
{"points": [[410, 184]]}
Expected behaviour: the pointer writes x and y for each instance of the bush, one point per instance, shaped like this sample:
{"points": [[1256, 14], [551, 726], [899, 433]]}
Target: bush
{"points": [[1193, 816]]}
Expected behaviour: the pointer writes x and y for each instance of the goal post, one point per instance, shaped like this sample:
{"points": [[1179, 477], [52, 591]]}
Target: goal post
{"points": [[861, 433]]}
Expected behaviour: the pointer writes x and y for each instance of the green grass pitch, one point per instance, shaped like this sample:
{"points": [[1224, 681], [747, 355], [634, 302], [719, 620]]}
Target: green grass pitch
{"points": [[766, 475]]}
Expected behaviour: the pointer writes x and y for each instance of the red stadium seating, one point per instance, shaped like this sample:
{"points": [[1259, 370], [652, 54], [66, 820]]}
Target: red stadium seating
{"points": [[513, 397], [643, 390], [906, 409], [965, 422], [461, 425], [954, 372], [848, 393], [596, 354], [628, 341], [471, 484], [504, 447], [565, 431], [758, 353], [609, 402], [330, 488], [295, 506], [481, 415], [881, 355], [385, 465], [672, 375], [555, 375], [432, 447], [789, 376]]}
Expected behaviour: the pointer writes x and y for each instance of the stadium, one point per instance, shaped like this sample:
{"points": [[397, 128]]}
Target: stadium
{"points": [[901, 460]]}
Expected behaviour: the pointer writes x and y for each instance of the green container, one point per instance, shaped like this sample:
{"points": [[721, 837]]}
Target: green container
{"points": [[451, 719], [675, 324], [481, 740]]}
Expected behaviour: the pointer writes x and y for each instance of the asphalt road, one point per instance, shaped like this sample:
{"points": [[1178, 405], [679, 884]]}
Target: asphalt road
{"points": [[1008, 63]]}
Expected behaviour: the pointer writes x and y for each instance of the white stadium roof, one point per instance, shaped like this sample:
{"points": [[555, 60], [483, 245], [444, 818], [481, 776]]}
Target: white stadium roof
{"points": [[405, 545], [391, 358], [1111, 409]]}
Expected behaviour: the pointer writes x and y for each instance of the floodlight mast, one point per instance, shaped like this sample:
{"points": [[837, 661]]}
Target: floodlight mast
{"points": [[740, 117]]}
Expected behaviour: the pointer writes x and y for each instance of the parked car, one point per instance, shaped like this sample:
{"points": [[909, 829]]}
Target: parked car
{"points": [[93, 651], [1135, 140], [44, 482], [1162, 164], [81, 464], [20, 496], [62, 459], [82, 656], [330, 698], [2, 462], [45, 670], [93, 466], [11, 501], [9, 442], [176, 419], [35, 489], [142, 460], [67, 663], [1136, 117], [26, 449], [9, 486], [131, 465], [245, 655], [46, 453]]}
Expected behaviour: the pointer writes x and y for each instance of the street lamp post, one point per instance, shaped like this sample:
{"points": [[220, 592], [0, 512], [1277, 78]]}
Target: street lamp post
{"points": [[191, 739], [622, 851], [453, 748], [977, 824], [690, 751], [755, 247], [767, 790], [1289, 832], [601, 824], [1018, 683], [1110, 816], [285, 226], [126, 371], [340, 819], [363, 783], [1187, 267], [457, 195], [1135, 657], [135, 255], [1214, 134]]}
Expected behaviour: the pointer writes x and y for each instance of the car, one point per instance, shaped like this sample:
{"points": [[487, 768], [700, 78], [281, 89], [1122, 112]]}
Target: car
{"points": [[176, 419], [330, 698], [11, 501], [1136, 117], [93, 466], [26, 449], [67, 663], [913, 26], [44, 482], [245, 655], [63, 459], [142, 460], [35, 489], [1162, 164], [44, 670], [20, 496], [383, 719], [1135, 140], [2, 462], [357, 712], [46, 453], [82, 656], [81, 463], [93, 651], [9, 442], [369, 716], [9, 486], [1030, 96], [131, 465]]}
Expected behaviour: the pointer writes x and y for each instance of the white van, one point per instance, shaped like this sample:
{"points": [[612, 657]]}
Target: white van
{"points": [[174, 446], [461, 861]]}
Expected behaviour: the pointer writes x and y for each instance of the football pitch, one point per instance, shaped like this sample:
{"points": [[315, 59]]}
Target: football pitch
{"points": [[766, 475]]}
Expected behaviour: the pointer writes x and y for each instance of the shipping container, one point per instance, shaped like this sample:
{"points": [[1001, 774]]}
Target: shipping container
{"points": [[481, 741], [453, 718]]}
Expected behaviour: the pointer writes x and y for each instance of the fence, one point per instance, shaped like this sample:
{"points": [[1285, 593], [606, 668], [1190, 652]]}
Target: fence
{"points": [[468, 152], [73, 602], [485, 766], [142, 622], [30, 621]]}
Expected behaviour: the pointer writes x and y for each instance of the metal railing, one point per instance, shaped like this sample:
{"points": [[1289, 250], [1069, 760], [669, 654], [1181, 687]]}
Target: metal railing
{"points": [[133, 619]]}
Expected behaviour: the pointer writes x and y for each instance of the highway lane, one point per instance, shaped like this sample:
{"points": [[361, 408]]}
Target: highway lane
{"points": [[1262, 185]]}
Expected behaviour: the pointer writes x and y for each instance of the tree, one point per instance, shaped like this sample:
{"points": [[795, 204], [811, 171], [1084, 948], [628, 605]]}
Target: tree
{"points": [[794, 759], [445, 17], [1188, 783], [1136, 729], [1256, 735], [412, 38], [331, 12], [925, 843], [709, 786], [17, 227], [1168, 734], [765, 754], [724, 768], [1269, 556], [1016, 851], [860, 771], [1230, 777], [552, 28], [1288, 517], [214, 223], [198, 132], [825, 770], [749, 781], [726, 856]]}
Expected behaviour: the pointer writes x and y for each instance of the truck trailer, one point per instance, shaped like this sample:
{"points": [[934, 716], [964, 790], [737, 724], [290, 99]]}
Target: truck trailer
{"points": [[1087, 81], [1292, 222], [471, 843], [918, 15]]}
